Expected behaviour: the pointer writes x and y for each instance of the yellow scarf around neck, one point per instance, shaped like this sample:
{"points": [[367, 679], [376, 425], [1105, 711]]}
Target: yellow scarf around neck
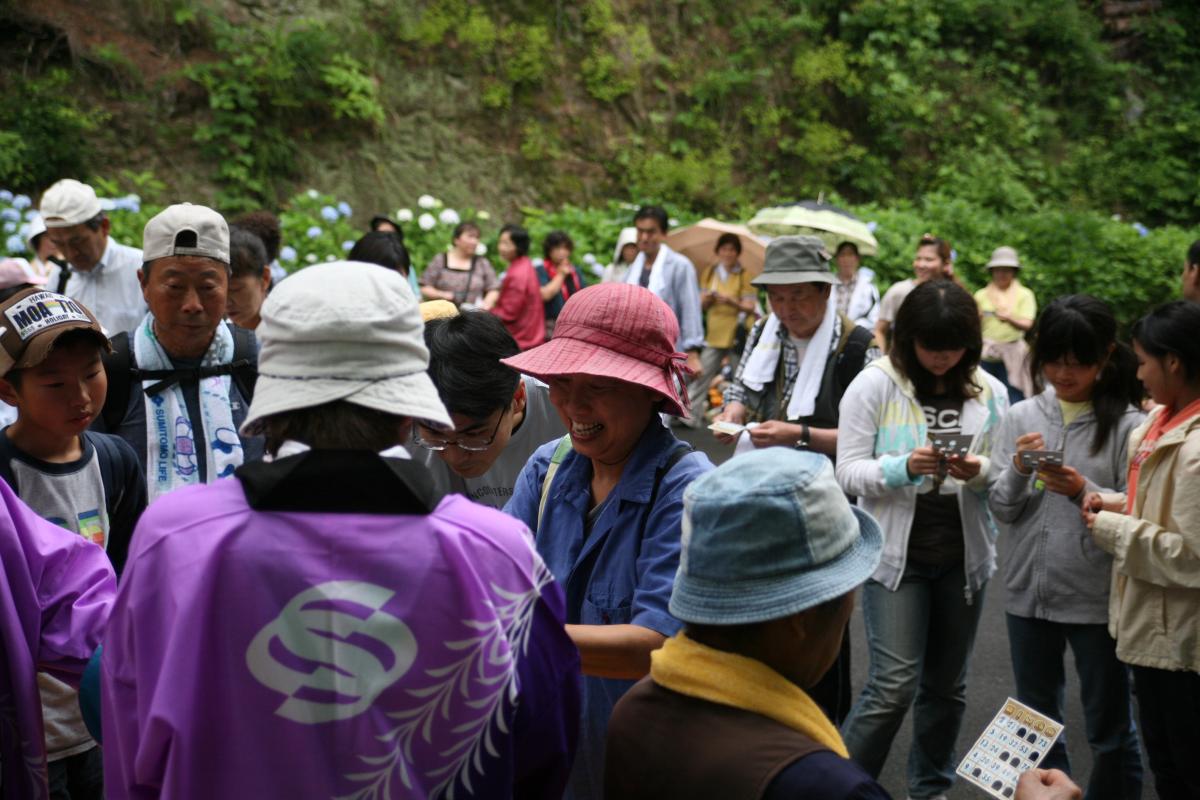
{"points": [[703, 672]]}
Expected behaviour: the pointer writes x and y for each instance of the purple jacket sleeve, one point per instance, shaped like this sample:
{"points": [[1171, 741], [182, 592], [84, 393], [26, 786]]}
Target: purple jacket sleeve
{"points": [[56, 590]]}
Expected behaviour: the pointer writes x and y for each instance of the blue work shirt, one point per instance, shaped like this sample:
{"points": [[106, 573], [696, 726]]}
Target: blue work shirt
{"points": [[622, 573]]}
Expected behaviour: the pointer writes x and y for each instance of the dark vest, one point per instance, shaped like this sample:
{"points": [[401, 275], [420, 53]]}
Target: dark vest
{"points": [[664, 745], [840, 369]]}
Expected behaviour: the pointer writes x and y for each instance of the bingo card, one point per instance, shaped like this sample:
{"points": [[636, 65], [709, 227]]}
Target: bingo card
{"points": [[1015, 741]]}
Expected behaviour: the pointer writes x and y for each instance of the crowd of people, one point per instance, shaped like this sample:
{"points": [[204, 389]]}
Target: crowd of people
{"points": [[360, 533]]}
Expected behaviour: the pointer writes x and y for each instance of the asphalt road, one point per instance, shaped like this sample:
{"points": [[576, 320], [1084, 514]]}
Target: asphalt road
{"points": [[989, 683]]}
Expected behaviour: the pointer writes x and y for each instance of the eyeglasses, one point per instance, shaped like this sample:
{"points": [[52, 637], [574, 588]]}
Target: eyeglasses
{"points": [[471, 445]]}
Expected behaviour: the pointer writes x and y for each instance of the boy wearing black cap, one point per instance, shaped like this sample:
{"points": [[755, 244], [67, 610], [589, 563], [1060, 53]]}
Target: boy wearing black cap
{"points": [[89, 483]]}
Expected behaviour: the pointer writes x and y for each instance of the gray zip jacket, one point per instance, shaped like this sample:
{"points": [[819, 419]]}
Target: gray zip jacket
{"points": [[1052, 566]]}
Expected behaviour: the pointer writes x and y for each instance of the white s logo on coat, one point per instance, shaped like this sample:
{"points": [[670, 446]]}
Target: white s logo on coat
{"points": [[332, 651]]}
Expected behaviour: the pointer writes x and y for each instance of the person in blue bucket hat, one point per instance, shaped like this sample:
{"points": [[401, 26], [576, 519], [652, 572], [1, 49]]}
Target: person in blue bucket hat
{"points": [[772, 554]]}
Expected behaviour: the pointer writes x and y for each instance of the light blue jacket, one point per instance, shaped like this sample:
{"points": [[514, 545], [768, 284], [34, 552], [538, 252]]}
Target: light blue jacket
{"points": [[880, 424], [622, 573]]}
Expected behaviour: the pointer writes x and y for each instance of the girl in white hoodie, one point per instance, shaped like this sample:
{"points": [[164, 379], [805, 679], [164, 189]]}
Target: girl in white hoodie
{"points": [[921, 607]]}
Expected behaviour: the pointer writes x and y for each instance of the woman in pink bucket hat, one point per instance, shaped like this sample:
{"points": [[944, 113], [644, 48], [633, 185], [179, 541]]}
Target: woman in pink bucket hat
{"points": [[605, 501]]}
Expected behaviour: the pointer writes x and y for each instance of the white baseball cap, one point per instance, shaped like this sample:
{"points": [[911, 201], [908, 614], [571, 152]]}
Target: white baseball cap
{"points": [[68, 203], [343, 330], [186, 230]]}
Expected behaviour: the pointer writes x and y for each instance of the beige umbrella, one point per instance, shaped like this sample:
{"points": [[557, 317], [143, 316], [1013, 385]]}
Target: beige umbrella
{"points": [[698, 242]]}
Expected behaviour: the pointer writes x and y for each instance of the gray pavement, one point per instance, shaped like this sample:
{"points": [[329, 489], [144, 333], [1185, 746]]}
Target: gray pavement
{"points": [[989, 683]]}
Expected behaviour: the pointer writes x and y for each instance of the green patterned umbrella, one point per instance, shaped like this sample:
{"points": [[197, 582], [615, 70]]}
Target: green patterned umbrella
{"points": [[832, 224]]}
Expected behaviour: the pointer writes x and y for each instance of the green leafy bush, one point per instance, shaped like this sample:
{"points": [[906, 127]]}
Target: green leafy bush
{"points": [[45, 129]]}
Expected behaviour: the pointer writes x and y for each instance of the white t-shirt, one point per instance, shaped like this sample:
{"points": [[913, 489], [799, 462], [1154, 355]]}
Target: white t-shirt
{"points": [[494, 487]]}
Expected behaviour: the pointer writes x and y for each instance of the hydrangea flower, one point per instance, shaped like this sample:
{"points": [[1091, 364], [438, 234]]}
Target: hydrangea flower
{"points": [[15, 244], [5, 195], [312, 194], [331, 258], [311, 258], [483, 215], [1141, 229], [598, 270], [404, 215], [449, 217], [344, 209], [427, 201], [313, 232], [10, 227], [287, 253], [329, 214], [673, 222], [348, 245], [481, 249], [588, 258], [107, 204], [426, 222], [872, 225], [22, 201], [10, 214], [32, 214]]}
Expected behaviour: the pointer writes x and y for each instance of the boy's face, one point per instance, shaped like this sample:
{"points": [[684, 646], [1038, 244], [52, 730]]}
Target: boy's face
{"points": [[64, 393]]}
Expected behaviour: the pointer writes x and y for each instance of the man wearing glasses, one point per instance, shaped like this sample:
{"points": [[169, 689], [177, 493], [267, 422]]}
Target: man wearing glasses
{"points": [[500, 417], [101, 273]]}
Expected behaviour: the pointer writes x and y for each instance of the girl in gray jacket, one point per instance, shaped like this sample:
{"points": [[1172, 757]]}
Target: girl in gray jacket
{"points": [[1058, 579]]}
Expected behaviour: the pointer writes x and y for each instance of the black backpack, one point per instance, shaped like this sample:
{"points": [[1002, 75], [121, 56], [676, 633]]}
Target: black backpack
{"points": [[122, 374]]}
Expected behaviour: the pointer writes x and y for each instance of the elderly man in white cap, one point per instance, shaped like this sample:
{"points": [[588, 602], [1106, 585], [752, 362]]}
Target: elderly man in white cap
{"points": [[180, 382], [324, 624], [100, 273]]}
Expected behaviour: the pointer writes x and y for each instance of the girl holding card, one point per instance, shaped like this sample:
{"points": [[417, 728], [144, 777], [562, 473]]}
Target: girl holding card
{"points": [[1057, 577], [922, 604], [1153, 534]]}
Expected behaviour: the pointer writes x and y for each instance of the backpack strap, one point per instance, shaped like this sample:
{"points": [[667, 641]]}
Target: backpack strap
{"points": [[856, 340], [64, 275], [118, 366], [108, 456], [680, 450], [245, 361], [560, 454], [122, 374]]}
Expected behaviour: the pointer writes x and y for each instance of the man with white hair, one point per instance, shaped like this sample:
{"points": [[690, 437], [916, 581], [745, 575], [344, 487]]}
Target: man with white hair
{"points": [[100, 273]]}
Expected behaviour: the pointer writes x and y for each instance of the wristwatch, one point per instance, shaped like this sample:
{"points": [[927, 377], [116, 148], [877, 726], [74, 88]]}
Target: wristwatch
{"points": [[805, 437]]}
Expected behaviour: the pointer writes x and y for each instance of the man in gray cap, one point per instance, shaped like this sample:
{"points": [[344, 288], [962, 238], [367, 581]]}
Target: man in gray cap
{"points": [[797, 364], [100, 273], [180, 382], [799, 359]]}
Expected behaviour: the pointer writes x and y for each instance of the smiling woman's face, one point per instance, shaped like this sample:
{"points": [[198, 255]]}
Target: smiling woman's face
{"points": [[604, 416]]}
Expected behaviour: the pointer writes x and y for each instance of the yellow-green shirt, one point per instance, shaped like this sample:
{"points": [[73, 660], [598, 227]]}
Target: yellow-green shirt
{"points": [[1072, 411], [721, 318], [1017, 302]]}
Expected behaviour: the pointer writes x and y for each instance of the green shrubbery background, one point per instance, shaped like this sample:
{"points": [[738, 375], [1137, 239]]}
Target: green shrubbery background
{"points": [[1022, 122]]}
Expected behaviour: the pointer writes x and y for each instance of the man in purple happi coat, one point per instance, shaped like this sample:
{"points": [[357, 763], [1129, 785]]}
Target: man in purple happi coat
{"points": [[321, 625], [56, 590]]}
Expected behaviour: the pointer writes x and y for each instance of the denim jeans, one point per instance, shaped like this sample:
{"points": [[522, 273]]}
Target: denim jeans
{"points": [[920, 638], [1037, 647]]}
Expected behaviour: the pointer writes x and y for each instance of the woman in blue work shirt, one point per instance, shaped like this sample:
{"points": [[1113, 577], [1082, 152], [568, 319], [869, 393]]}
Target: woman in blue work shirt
{"points": [[606, 501]]}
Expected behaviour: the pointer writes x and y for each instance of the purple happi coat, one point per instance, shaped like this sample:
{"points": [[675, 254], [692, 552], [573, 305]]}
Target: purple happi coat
{"points": [[268, 643], [56, 589]]}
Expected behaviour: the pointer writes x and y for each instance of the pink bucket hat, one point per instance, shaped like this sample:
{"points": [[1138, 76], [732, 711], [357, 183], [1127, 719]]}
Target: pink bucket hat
{"points": [[614, 330]]}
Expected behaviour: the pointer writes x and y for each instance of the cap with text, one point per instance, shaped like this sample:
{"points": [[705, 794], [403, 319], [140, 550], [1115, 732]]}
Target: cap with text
{"points": [[31, 322], [186, 230], [68, 203]]}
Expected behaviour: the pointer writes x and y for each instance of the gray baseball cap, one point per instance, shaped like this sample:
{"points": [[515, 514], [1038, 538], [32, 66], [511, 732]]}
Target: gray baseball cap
{"points": [[795, 259], [186, 230]]}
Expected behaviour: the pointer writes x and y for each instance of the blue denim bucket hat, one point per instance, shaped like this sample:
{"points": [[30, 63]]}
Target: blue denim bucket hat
{"points": [[769, 534]]}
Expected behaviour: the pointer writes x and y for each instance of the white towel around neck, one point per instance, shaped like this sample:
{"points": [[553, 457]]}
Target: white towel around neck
{"points": [[764, 360]]}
